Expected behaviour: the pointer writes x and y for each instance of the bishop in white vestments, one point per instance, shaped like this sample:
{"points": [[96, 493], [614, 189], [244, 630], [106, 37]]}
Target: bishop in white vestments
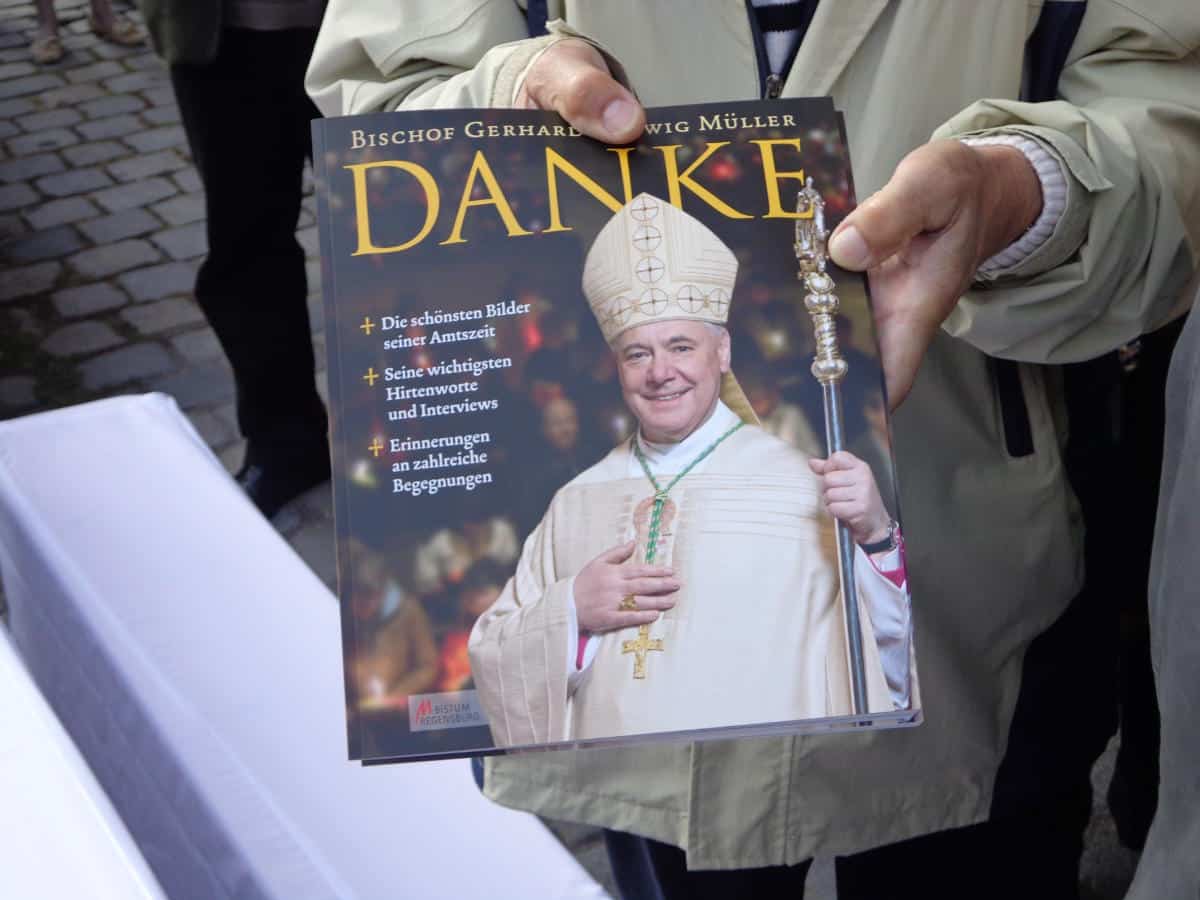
{"points": [[689, 579]]}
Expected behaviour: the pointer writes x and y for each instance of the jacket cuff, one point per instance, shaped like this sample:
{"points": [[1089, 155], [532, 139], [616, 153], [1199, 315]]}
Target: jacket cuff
{"points": [[1082, 180], [1053, 181]]}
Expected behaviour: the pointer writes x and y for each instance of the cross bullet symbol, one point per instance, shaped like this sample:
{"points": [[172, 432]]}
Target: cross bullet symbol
{"points": [[370, 378], [367, 324], [375, 446]]}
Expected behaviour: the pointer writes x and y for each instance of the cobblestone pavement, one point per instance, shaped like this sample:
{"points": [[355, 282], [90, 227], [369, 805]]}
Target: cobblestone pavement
{"points": [[101, 231]]}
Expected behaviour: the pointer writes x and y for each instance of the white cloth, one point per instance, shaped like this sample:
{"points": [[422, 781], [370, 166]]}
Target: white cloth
{"points": [[59, 835], [196, 662], [889, 609]]}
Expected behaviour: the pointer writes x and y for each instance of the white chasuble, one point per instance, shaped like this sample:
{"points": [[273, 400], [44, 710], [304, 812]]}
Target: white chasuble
{"points": [[757, 633]]}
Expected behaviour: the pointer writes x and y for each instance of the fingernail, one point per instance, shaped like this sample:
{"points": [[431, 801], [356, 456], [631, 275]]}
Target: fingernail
{"points": [[849, 250], [619, 117]]}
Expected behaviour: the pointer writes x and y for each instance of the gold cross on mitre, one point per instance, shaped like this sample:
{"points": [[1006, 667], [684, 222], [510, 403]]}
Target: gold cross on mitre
{"points": [[640, 647]]}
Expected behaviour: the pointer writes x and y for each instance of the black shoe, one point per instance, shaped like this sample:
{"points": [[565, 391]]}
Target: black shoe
{"points": [[270, 484]]}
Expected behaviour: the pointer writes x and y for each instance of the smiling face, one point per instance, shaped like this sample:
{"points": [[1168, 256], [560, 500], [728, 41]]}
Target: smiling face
{"points": [[671, 375]]}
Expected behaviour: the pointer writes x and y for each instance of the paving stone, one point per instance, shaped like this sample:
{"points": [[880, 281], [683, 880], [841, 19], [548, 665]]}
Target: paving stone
{"points": [[80, 338], [60, 212], [47, 244], [120, 225], [73, 181], [97, 152], [10, 109], [14, 196], [157, 139], [11, 226], [181, 209], [156, 282], [162, 315], [162, 115], [69, 95], [30, 84], [137, 81], [25, 322], [16, 70], [50, 139], [18, 391], [109, 127], [184, 242], [7, 130], [160, 96], [100, 262], [95, 72], [87, 299], [13, 39], [30, 167], [214, 431], [204, 384], [146, 61], [136, 168], [21, 281], [135, 362], [105, 50], [198, 346], [51, 118], [188, 180], [136, 193], [103, 107]]}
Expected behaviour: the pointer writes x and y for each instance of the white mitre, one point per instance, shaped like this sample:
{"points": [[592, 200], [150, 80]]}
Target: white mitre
{"points": [[653, 261]]}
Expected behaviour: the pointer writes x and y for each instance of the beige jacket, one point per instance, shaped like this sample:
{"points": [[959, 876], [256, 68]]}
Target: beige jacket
{"points": [[994, 540]]}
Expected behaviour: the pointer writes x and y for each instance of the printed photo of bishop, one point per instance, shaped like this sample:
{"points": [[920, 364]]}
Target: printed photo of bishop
{"points": [[689, 579]]}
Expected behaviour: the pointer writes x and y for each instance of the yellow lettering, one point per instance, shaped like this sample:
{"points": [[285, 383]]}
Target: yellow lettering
{"points": [[495, 197], [772, 176], [556, 163], [677, 180], [362, 216]]}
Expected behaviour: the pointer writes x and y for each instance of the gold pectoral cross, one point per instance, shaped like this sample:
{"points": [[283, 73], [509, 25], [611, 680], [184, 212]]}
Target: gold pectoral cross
{"points": [[640, 646]]}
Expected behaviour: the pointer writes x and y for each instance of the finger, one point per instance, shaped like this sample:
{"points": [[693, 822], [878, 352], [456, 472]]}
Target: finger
{"points": [[649, 586], [619, 620], [844, 459], [647, 571], [572, 79], [659, 603], [619, 553], [842, 494], [845, 511], [842, 478], [817, 465], [922, 195]]}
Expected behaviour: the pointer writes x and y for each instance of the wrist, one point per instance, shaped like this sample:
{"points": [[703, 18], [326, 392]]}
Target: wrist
{"points": [[1011, 197]]}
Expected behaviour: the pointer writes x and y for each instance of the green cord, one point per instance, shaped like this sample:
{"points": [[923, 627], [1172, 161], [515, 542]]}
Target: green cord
{"points": [[660, 493]]}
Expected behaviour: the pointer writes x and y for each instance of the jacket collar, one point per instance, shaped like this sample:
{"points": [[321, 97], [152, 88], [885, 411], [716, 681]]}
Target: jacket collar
{"points": [[838, 28]]}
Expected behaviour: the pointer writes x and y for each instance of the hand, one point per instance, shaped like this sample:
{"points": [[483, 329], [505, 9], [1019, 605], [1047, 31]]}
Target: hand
{"points": [[947, 208], [852, 497], [572, 79], [606, 580]]}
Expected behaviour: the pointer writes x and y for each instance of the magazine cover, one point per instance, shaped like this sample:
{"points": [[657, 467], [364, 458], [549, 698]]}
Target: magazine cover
{"points": [[611, 450]]}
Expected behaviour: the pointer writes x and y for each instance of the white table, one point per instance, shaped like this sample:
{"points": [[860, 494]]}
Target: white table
{"points": [[196, 662], [59, 835]]}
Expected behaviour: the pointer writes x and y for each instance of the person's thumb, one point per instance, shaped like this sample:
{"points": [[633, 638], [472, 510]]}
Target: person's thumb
{"points": [[921, 196], [572, 79]]}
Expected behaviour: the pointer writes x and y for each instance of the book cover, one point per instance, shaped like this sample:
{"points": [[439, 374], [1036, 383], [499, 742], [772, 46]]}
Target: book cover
{"points": [[583, 403]]}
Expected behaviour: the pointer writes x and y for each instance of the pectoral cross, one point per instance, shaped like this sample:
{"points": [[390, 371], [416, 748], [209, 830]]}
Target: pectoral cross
{"points": [[640, 647]]}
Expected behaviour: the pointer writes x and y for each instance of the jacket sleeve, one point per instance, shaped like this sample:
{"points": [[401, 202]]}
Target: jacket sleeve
{"points": [[1127, 132], [374, 55]]}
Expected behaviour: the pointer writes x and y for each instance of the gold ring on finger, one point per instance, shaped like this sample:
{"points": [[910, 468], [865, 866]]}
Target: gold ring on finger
{"points": [[628, 604]]}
